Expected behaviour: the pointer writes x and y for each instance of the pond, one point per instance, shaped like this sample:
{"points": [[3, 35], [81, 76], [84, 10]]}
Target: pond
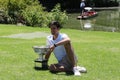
{"points": [[107, 20]]}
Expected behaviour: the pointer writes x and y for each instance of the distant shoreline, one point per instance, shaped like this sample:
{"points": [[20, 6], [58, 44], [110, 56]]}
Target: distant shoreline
{"points": [[95, 8], [106, 8]]}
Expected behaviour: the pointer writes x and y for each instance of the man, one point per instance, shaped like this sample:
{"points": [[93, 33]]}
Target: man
{"points": [[60, 45], [82, 6]]}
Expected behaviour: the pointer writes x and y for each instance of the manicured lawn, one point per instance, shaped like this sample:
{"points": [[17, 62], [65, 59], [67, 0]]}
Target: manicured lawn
{"points": [[99, 52]]}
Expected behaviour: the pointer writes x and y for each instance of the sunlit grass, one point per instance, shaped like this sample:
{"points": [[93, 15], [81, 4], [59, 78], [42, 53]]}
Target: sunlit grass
{"points": [[97, 51]]}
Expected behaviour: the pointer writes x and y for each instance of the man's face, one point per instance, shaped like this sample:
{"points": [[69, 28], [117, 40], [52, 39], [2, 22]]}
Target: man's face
{"points": [[54, 29]]}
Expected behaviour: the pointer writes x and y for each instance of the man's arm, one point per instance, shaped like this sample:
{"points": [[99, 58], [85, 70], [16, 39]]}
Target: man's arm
{"points": [[48, 54], [63, 42]]}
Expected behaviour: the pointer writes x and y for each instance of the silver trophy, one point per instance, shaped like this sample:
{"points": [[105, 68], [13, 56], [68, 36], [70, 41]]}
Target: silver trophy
{"points": [[41, 51]]}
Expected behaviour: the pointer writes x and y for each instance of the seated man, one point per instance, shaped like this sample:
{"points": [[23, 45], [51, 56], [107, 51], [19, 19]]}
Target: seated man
{"points": [[60, 45]]}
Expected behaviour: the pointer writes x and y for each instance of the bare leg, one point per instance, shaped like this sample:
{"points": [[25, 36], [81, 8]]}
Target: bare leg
{"points": [[70, 54], [57, 68], [71, 57]]}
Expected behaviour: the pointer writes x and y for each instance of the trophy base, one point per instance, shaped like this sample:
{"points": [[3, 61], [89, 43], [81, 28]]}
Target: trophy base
{"points": [[40, 60], [44, 65]]}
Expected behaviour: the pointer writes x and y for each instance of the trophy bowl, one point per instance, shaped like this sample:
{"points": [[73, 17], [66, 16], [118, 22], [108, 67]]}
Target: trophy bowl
{"points": [[41, 49]]}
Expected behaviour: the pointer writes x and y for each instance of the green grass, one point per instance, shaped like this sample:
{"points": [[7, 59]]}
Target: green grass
{"points": [[97, 51]]}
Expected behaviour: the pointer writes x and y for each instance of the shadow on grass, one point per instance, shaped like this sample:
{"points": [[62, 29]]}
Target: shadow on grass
{"points": [[68, 73], [40, 68]]}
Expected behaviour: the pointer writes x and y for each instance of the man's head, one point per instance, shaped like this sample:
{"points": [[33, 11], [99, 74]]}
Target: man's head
{"points": [[56, 23], [55, 27]]}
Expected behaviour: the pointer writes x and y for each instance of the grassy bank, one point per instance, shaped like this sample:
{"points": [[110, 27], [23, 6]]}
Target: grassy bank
{"points": [[97, 51]]}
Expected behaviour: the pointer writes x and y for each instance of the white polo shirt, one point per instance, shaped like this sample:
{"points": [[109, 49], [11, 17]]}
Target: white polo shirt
{"points": [[59, 51]]}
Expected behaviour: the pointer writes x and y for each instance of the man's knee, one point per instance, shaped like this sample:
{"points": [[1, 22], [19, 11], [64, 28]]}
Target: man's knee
{"points": [[52, 67], [68, 45]]}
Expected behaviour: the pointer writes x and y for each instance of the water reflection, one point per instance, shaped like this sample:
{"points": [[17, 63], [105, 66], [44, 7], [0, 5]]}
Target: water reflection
{"points": [[87, 25], [108, 20]]}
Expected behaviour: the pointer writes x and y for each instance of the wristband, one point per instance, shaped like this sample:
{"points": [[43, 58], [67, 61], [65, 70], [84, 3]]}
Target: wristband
{"points": [[55, 45]]}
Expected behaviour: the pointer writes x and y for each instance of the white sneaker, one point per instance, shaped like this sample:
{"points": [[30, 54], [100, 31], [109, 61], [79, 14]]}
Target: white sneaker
{"points": [[76, 71], [82, 69]]}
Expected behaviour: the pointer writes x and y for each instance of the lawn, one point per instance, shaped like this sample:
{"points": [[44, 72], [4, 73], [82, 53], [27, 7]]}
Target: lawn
{"points": [[98, 51]]}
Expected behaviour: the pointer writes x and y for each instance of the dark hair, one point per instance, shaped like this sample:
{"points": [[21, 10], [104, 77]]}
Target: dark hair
{"points": [[56, 23]]}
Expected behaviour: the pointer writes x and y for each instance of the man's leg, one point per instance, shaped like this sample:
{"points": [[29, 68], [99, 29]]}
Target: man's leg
{"points": [[63, 66], [71, 56], [57, 68]]}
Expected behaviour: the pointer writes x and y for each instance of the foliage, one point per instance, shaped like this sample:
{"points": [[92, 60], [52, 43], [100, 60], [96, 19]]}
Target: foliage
{"points": [[32, 13], [16, 8], [13, 8], [4, 11], [102, 3], [57, 15], [36, 16], [3, 4]]}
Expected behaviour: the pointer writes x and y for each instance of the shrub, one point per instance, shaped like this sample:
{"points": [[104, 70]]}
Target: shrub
{"points": [[34, 15], [57, 15], [30, 13], [14, 8]]}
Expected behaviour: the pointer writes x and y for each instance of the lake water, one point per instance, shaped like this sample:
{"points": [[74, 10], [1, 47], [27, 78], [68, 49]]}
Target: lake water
{"points": [[107, 20]]}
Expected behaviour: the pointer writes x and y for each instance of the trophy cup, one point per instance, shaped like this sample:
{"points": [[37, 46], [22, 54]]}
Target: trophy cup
{"points": [[41, 51]]}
